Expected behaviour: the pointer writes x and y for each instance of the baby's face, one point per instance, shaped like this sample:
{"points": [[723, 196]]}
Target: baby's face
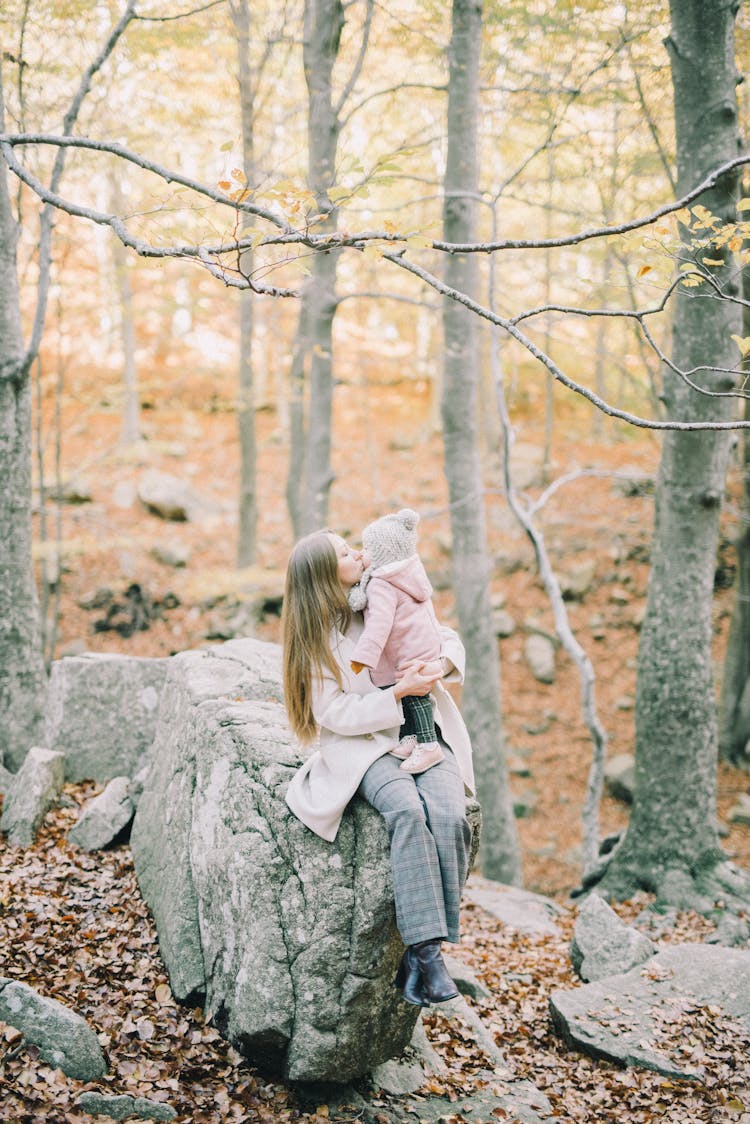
{"points": [[365, 557]]}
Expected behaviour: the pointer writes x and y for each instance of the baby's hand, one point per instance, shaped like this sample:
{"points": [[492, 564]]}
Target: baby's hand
{"points": [[356, 667], [430, 668]]}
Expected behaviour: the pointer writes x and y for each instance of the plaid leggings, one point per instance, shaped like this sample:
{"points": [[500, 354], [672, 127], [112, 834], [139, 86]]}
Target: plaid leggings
{"points": [[430, 838], [418, 718]]}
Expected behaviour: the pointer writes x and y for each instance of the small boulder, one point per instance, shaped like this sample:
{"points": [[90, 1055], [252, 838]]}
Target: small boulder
{"points": [[74, 491], [35, 786], [539, 652], [172, 498], [65, 1040], [603, 945], [104, 817], [102, 712], [619, 776], [632, 482], [740, 812], [516, 908], [124, 1107], [503, 623], [575, 583], [172, 553]]}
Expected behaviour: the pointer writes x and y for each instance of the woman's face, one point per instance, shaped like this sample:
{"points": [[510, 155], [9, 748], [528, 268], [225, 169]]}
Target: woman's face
{"points": [[350, 564]]}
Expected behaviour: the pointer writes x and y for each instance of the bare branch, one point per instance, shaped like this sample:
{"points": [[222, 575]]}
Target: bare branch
{"points": [[388, 297], [357, 70], [166, 174], [207, 255], [585, 392], [391, 90], [180, 15]]}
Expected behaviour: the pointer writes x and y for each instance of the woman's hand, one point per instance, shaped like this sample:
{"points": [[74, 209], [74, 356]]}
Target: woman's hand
{"points": [[417, 678]]}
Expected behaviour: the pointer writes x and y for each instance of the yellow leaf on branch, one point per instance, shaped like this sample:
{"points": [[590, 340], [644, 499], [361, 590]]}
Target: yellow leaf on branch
{"points": [[743, 343], [419, 242]]}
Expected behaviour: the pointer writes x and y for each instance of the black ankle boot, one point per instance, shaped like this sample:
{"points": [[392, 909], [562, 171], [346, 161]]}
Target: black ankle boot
{"points": [[435, 983], [408, 980]]}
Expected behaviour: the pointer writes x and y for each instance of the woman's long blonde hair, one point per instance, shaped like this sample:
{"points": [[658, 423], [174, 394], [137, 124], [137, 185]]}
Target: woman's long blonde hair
{"points": [[314, 605]]}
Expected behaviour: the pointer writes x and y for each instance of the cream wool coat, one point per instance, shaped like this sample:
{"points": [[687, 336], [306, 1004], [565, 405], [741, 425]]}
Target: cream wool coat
{"points": [[359, 723]]}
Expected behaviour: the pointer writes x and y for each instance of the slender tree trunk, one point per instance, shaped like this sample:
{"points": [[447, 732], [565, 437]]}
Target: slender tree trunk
{"points": [[734, 726], [130, 431], [671, 845], [248, 499], [308, 489], [500, 854], [22, 679]]}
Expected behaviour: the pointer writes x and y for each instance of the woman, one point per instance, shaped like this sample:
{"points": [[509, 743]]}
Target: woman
{"points": [[358, 724]]}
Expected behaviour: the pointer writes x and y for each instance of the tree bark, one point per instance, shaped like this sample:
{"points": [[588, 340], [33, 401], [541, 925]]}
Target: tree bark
{"points": [[22, 678], [310, 471], [734, 725], [671, 844], [248, 498], [500, 853]]}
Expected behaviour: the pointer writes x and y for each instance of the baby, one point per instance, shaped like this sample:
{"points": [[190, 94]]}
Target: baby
{"points": [[400, 626]]}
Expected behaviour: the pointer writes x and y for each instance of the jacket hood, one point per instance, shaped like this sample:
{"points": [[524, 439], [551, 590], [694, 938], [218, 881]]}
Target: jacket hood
{"points": [[408, 575]]}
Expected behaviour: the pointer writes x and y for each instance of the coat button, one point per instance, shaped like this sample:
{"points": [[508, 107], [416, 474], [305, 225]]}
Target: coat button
{"points": [[370, 736]]}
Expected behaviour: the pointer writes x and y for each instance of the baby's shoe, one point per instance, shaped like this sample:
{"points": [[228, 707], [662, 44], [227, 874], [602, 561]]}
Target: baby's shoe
{"points": [[405, 747], [423, 758]]}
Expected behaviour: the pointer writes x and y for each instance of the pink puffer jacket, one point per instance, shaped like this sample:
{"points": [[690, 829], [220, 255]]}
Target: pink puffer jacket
{"points": [[400, 621]]}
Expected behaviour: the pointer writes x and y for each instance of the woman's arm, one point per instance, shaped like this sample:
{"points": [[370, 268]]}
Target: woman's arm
{"points": [[350, 714]]}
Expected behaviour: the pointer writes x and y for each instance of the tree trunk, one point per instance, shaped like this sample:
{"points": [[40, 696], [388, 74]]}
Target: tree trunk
{"points": [[734, 726], [671, 845], [248, 499], [500, 854], [22, 678], [311, 484], [130, 431]]}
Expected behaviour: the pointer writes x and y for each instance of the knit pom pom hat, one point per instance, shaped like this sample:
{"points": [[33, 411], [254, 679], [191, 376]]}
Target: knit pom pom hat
{"points": [[392, 538]]}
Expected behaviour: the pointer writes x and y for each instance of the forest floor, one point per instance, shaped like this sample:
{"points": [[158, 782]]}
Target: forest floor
{"points": [[108, 968]]}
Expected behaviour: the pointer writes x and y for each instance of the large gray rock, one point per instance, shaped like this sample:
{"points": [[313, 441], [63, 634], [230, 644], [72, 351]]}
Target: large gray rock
{"points": [[102, 712], [603, 945], [290, 941], [104, 817], [64, 1039], [35, 786], [643, 1016]]}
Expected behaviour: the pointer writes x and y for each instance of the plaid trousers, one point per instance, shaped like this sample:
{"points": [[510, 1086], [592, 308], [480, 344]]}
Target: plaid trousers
{"points": [[430, 838]]}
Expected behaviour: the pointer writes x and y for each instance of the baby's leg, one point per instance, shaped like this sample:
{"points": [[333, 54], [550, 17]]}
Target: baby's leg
{"points": [[427, 752], [407, 739]]}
